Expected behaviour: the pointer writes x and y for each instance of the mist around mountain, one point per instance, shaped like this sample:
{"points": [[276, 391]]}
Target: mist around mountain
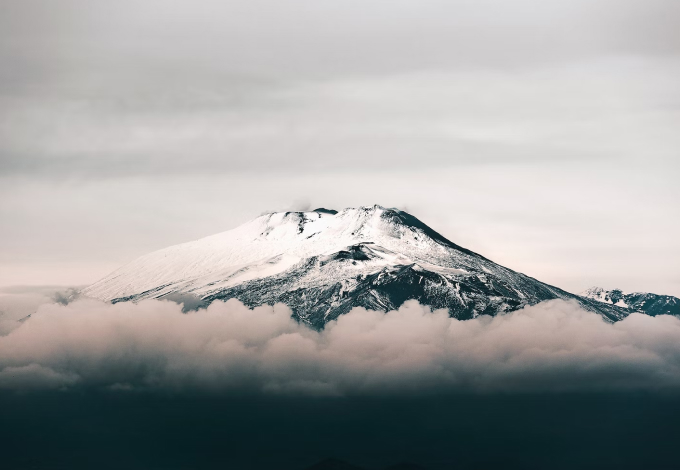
{"points": [[323, 263]]}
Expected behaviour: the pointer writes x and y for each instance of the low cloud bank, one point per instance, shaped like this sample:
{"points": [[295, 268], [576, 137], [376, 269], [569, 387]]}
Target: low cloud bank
{"points": [[227, 347], [18, 303]]}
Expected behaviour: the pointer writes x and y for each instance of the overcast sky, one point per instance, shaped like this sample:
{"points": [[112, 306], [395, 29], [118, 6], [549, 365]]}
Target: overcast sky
{"points": [[543, 135]]}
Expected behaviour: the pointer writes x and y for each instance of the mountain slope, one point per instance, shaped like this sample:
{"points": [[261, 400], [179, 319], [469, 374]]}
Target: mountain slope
{"points": [[644, 302], [322, 263]]}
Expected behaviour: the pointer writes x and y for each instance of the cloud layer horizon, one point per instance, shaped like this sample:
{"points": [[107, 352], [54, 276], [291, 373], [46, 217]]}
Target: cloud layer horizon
{"points": [[228, 348]]}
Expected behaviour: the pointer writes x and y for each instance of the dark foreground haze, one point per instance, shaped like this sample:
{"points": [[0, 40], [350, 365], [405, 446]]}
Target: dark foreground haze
{"points": [[104, 430]]}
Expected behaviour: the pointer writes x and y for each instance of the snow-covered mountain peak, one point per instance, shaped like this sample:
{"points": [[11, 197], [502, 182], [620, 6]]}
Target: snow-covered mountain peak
{"points": [[644, 302], [353, 225], [613, 296], [271, 244], [324, 262]]}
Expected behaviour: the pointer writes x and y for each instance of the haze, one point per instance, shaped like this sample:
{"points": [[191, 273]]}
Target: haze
{"points": [[542, 135]]}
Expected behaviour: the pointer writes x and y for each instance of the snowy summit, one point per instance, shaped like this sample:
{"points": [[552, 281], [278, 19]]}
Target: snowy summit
{"points": [[322, 263]]}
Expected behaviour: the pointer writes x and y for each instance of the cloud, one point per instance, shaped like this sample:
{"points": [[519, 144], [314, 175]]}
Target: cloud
{"points": [[227, 347], [34, 376], [115, 90], [17, 303], [189, 302], [300, 205], [620, 108]]}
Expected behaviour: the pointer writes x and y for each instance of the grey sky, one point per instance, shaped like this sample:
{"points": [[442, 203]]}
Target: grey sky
{"points": [[542, 134]]}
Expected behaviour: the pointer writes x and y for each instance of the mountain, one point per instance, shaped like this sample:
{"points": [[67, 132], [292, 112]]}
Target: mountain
{"points": [[643, 302], [322, 263]]}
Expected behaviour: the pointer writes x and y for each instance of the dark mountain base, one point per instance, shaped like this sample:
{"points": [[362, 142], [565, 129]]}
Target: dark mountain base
{"points": [[532, 431]]}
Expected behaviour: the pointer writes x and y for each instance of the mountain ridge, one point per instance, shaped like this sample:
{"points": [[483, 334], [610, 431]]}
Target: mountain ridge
{"points": [[323, 263], [643, 302]]}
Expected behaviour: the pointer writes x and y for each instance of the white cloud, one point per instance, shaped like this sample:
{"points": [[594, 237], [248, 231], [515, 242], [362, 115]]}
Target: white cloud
{"points": [[621, 108], [553, 346]]}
